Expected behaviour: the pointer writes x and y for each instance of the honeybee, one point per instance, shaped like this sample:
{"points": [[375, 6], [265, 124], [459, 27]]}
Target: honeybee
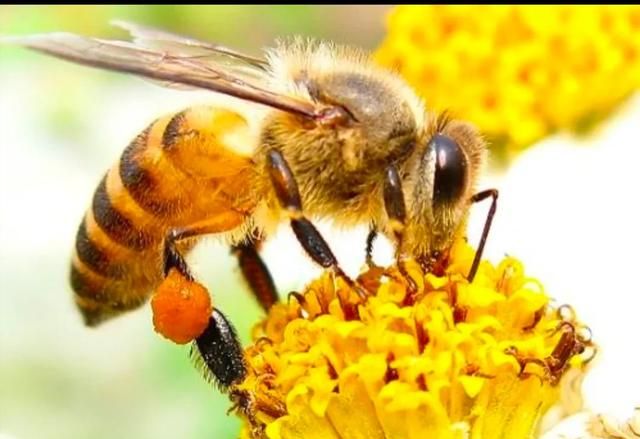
{"points": [[333, 136]]}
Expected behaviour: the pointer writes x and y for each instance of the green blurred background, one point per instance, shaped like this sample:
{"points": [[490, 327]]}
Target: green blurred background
{"points": [[62, 126]]}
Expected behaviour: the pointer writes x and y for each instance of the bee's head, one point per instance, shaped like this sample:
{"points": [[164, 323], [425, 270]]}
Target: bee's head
{"points": [[441, 179]]}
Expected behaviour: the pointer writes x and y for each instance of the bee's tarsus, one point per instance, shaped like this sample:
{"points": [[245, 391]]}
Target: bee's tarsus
{"points": [[360, 290], [493, 193]]}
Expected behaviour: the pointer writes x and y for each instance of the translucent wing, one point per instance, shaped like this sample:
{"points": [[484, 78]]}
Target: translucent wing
{"points": [[151, 37], [215, 55], [161, 65]]}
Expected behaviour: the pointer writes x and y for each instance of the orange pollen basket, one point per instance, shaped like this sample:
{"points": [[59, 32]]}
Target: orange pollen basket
{"points": [[181, 308]]}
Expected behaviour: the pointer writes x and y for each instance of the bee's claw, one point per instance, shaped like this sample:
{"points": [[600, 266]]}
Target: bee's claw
{"points": [[355, 285]]}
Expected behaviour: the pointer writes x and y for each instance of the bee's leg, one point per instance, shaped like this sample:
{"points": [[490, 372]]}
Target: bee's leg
{"points": [[253, 267], [309, 237], [220, 356], [371, 237], [256, 273], [493, 193], [172, 257], [217, 349], [397, 213], [219, 352]]}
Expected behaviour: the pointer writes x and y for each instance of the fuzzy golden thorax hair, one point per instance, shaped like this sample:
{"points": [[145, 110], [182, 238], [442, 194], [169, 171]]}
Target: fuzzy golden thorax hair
{"points": [[340, 168]]}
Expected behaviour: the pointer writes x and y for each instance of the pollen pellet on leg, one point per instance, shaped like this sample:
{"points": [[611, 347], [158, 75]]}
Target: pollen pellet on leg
{"points": [[181, 308]]}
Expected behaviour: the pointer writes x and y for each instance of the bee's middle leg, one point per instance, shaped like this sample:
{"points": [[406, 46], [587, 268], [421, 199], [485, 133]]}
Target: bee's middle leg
{"points": [[397, 213], [307, 234], [256, 273]]}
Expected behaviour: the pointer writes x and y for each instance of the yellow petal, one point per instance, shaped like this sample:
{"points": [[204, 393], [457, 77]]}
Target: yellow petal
{"points": [[505, 412], [472, 385], [352, 413]]}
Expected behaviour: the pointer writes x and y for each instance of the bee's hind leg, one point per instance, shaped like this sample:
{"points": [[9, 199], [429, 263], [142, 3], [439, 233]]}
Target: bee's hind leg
{"points": [[217, 350], [256, 273], [309, 237], [397, 213]]}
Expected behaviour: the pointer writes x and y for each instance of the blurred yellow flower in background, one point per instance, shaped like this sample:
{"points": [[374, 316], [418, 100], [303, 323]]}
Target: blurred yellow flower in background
{"points": [[486, 359], [518, 72]]}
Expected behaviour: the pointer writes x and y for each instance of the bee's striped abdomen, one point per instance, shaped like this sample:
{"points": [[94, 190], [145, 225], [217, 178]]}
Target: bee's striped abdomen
{"points": [[176, 173], [140, 182], [114, 223]]}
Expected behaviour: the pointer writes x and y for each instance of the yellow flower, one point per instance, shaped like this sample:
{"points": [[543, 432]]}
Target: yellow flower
{"points": [[453, 360], [517, 72]]}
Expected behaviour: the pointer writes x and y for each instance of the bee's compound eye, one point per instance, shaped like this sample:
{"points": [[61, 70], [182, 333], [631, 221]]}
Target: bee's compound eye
{"points": [[450, 170]]}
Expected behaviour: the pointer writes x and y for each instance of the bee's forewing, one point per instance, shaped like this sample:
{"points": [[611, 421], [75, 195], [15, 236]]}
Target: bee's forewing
{"points": [[166, 66]]}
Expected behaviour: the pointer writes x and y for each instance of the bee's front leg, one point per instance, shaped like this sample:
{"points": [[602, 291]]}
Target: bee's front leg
{"points": [[397, 213], [309, 237]]}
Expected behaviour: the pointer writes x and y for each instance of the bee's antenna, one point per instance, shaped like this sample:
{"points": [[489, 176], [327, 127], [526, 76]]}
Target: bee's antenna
{"points": [[493, 193]]}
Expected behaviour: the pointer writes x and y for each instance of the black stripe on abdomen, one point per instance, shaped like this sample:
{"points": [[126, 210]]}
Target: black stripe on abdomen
{"points": [[93, 256], [140, 183], [85, 287], [100, 292], [118, 227]]}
